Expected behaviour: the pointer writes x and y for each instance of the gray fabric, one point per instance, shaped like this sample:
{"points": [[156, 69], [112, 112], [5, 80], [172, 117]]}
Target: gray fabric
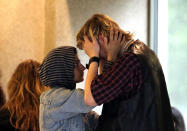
{"points": [[57, 69], [64, 109]]}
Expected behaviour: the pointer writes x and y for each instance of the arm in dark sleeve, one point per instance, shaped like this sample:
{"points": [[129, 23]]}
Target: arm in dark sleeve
{"points": [[107, 65], [124, 76]]}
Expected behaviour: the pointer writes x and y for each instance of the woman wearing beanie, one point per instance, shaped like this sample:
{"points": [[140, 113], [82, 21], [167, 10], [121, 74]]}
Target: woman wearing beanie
{"points": [[62, 107]]}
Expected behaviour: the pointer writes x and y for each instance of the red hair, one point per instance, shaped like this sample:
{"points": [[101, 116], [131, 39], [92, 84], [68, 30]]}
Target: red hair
{"points": [[24, 90]]}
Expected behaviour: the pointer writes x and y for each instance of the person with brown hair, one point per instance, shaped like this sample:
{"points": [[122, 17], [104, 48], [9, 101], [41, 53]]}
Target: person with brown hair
{"points": [[131, 85], [21, 111]]}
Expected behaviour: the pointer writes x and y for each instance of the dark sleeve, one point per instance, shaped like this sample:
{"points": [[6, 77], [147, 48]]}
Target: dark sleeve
{"points": [[125, 76], [107, 65]]}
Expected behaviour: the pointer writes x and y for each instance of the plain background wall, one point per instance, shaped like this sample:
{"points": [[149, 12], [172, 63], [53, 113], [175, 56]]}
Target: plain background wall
{"points": [[21, 34], [30, 28]]}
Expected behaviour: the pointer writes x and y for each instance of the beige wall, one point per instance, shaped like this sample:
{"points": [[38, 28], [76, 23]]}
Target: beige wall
{"points": [[50, 26], [21, 34]]}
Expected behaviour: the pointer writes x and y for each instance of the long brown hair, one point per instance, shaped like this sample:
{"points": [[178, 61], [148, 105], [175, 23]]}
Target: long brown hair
{"points": [[98, 24], [24, 90]]}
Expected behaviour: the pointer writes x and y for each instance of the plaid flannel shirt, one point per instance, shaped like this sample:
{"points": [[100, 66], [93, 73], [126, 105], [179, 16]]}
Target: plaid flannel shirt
{"points": [[122, 77]]}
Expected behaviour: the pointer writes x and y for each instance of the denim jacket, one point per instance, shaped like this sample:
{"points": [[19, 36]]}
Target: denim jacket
{"points": [[65, 110]]}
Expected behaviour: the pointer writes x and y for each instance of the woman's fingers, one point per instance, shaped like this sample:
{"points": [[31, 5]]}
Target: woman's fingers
{"points": [[111, 35], [116, 35], [123, 39], [86, 40], [120, 36], [94, 40], [105, 41]]}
